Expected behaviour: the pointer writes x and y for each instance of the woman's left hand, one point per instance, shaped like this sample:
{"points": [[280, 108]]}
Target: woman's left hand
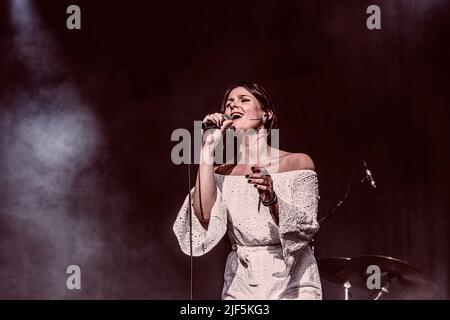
{"points": [[262, 182]]}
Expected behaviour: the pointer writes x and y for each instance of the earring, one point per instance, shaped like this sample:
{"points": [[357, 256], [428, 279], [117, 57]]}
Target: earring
{"points": [[264, 120]]}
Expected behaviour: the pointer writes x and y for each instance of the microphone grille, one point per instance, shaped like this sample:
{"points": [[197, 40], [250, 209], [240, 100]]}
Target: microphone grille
{"points": [[227, 116]]}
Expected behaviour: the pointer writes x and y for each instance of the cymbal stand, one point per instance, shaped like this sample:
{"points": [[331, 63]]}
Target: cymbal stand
{"points": [[347, 287], [384, 289]]}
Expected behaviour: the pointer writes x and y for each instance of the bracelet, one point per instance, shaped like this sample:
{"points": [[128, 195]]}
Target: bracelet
{"points": [[270, 202]]}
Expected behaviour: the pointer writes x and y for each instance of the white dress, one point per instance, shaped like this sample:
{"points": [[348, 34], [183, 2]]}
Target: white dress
{"points": [[267, 261]]}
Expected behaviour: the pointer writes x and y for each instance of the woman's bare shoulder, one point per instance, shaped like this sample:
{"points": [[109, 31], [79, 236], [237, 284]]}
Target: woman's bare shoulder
{"points": [[295, 161]]}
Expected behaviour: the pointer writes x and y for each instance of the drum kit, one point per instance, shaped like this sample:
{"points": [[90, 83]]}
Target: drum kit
{"points": [[373, 277], [397, 279]]}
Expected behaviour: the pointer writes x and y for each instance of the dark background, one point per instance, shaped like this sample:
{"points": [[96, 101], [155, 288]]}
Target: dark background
{"points": [[104, 100]]}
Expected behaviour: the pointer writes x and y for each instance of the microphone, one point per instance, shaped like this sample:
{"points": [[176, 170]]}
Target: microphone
{"points": [[208, 124], [369, 175]]}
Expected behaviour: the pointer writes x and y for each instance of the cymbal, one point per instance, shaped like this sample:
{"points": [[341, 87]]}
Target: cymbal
{"points": [[338, 270], [403, 281]]}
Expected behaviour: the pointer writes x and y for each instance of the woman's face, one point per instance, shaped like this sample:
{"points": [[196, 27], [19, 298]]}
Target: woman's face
{"points": [[244, 109]]}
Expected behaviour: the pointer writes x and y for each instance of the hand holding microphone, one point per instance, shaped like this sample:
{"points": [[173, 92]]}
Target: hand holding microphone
{"points": [[221, 121], [217, 121]]}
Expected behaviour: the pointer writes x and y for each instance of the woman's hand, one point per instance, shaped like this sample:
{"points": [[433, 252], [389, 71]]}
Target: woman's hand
{"points": [[262, 181], [214, 135]]}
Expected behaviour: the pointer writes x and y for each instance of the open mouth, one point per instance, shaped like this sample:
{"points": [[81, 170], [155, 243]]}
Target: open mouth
{"points": [[235, 116]]}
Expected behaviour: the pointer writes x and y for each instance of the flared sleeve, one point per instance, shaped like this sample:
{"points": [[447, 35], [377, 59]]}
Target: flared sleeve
{"points": [[203, 239], [298, 216]]}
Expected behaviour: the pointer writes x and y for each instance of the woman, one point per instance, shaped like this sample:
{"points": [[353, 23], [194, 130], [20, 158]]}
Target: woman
{"points": [[267, 203]]}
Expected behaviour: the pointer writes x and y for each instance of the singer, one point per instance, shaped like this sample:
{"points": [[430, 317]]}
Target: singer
{"points": [[267, 204]]}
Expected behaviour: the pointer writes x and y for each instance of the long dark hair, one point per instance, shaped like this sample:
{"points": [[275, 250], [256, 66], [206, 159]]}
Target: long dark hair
{"points": [[264, 98]]}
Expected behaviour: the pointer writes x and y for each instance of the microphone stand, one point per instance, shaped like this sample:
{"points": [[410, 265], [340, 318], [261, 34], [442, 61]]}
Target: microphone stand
{"points": [[347, 195], [324, 219], [189, 182], [191, 256], [327, 217]]}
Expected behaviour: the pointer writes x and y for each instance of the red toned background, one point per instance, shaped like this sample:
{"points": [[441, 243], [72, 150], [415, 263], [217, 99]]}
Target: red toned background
{"points": [[86, 117]]}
